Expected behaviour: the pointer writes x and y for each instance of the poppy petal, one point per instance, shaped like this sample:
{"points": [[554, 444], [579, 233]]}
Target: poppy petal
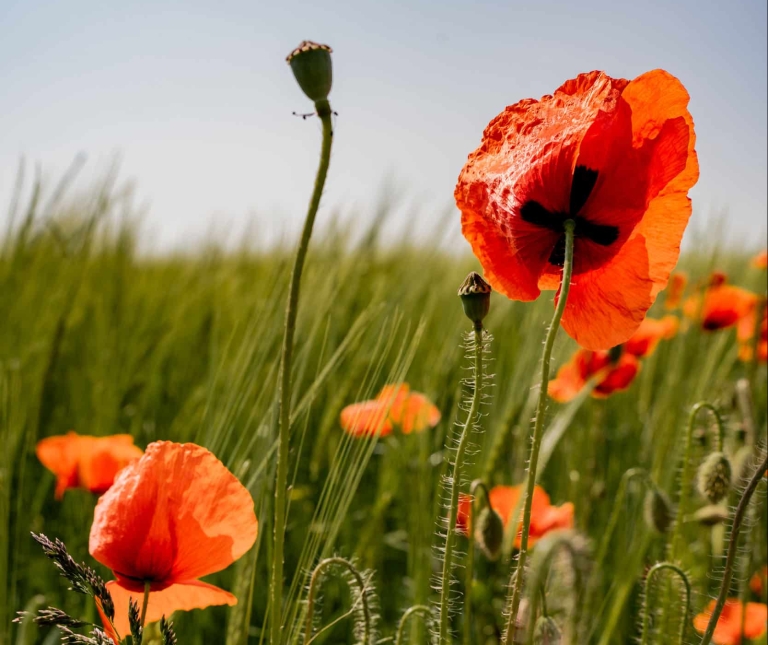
{"points": [[394, 398], [618, 377], [420, 413], [568, 382], [60, 455], [175, 514], [181, 596], [103, 459], [606, 305], [366, 419]]}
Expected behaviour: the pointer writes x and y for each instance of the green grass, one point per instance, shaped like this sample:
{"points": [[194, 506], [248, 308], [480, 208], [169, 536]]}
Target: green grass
{"points": [[100, 339]]}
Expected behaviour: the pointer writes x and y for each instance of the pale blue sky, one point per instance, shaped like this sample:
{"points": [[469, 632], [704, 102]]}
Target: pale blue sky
{"points": [[196, 97]]}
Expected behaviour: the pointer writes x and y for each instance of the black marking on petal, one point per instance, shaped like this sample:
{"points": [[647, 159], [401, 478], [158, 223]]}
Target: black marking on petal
{"points": [[557, 257], [602, 234], [534, 213], [583, 182]]}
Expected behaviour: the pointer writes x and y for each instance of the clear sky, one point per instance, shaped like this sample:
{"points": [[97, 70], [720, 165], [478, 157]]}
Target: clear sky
{"points": [[196, 98]]}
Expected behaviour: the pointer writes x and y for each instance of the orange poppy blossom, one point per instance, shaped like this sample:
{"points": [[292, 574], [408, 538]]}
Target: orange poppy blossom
{"points": [[650, 333], [504, 499], [760, 261], [728, 629], [723, 307], [757, 580], [171, 517], [745, 332], [83, 461], [395, 405], [675, 290], [618, 158]]}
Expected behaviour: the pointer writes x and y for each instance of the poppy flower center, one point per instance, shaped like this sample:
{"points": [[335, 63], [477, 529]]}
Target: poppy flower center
{"points": [[584, 180]]}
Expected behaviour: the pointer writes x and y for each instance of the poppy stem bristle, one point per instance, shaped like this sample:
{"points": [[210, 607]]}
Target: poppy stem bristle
{"points": [[654, 571], [538, 424], [444, 636], [283, 444], [144, 604], [733, 543]]}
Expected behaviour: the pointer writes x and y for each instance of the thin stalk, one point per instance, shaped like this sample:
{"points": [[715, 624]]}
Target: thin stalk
{"points": [[470, 566], [733, 544], [291, 311], [654, 571], [144, 604], [538, 424], [444, 636], [416, 610]]}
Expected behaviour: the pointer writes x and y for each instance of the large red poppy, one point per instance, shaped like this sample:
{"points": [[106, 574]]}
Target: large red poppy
{"points": [[170, 518], [616, 156], [728, 629], [504, 499], [83, 461]]}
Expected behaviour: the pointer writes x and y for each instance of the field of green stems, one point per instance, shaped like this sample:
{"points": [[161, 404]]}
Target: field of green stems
{"points": [[100, 339]]}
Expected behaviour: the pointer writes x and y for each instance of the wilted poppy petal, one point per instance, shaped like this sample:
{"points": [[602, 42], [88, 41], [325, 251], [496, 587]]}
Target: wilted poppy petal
{"points": [[366, 419], [176, 514], [419, 414], [606, 305], [182, 596]]}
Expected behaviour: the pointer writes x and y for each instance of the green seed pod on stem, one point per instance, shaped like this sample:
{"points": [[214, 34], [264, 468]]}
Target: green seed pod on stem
{"points": [[475, 294], [710, 515], [657, 510], [312, 68], [489, 533], [714, 477]]}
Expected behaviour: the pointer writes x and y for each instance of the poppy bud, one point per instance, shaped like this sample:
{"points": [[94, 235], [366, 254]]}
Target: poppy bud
{"points": [[742, 460], [311, 65], [710, 515], [714, 478], [657, 510], [489, 533], [546, 632], [475, 294]]}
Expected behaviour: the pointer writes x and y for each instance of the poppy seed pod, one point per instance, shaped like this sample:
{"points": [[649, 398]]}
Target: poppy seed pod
{"points": [[714, 477], [546, 632], [311, 65], [489, 533], [657, 511], [475, 294]]}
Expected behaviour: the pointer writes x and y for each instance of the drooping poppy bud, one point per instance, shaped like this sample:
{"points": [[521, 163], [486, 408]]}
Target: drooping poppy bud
{"points": [[311, 65], [714, 477], [710, 515], [475, 294], [657, 510], [546, 632], [489, 533]]}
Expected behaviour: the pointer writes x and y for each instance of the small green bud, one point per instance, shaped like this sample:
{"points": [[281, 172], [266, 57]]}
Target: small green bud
{"points": [[714, 477], [546, 632], [489, 533], [710, 515], [311, 65], [657, 510], [475, 294]]}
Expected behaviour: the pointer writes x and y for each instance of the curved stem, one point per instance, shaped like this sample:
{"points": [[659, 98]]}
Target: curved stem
{"points": [[276, 582], [445, 586], [733, 543], [654, 571], [416, 610], [314, 584], [685, 480], [538, 425]]}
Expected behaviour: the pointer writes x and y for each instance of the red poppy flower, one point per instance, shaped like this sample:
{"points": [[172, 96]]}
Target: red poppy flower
{"points": [[82, 461], [757, 580], [173, 516], [613, 374], [728, 629], [615, 156], [675, 290], [724, 306], [760, 261], [394, 405], [745, 331], [651, 331], [504, 499]]}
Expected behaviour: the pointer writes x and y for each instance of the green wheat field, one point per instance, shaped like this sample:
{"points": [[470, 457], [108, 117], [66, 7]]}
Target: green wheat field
{"points": [[99, 338]]}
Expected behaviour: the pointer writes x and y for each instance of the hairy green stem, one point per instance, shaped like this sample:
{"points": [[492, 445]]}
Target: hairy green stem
{"points": [[416, 610], [654, 571], [538, 424], [276, 582], [144, 604], [314, 584], [444, 636], [733, 544], [469, 569]]}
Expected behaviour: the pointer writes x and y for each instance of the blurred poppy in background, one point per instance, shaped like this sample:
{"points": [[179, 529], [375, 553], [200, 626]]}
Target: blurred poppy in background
{"points": [[395, 405], [728, 629]]}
